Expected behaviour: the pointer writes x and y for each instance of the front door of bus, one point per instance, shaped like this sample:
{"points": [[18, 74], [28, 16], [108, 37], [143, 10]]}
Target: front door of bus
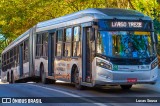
{"points": [[87, 57], [21, 60]]}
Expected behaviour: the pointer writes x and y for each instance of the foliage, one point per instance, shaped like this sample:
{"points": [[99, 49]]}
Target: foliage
{"points": [[19, 15]]}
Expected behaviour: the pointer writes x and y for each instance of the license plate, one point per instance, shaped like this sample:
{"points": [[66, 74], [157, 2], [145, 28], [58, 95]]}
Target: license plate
{"points": [[131, 80]]}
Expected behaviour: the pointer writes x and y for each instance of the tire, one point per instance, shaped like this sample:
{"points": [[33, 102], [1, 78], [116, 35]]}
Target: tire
{"points": [[8, 79], [12, 78], [126, 87], [77, 81], [43, 77], [51, 81]]}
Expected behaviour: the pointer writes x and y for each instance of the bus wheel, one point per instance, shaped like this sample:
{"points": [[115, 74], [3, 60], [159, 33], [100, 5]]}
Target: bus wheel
{"points": [[12, 78], [51, 81], [8, 77], [126, 87], [76, 80], [43, 77]]}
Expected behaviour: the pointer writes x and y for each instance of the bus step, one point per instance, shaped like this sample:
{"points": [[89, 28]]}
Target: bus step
{"points": [[87, 84]]}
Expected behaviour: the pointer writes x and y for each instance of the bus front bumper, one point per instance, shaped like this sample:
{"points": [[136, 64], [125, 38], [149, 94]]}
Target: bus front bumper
{"points": [[108, 77]]}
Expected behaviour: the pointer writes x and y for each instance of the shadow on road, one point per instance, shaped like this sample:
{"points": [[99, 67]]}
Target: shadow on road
{"points": [[111, 90]]}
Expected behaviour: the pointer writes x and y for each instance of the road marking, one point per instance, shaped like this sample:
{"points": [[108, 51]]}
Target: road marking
{"points": [[73, 95]]}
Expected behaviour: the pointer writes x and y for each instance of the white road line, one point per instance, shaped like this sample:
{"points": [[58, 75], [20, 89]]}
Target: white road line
{"points": [[73, 95]]}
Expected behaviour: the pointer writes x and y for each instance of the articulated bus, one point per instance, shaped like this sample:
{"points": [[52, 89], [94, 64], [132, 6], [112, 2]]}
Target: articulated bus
{"points": [[92, 47]]}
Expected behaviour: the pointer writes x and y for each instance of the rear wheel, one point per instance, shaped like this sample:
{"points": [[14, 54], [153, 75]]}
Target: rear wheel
{"points": [[43, 76], [51, 81], [12, 78], [8, 77], [77, 80], [126, 87]]}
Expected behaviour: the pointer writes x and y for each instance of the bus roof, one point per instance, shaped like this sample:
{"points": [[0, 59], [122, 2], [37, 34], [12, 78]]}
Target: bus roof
{"points": [[96, 13], [16, 41]]}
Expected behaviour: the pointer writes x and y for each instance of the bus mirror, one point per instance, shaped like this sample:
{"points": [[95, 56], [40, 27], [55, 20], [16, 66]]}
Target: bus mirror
{"points": [[156, 38], [92, 36]]}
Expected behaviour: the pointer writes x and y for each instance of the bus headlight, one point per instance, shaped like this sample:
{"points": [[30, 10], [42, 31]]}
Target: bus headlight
{"points": [[154, 64], [103, 64]]}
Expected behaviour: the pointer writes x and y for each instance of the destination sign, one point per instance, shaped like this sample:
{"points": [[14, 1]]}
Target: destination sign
{"points": [[125, 25], [121, 24]]}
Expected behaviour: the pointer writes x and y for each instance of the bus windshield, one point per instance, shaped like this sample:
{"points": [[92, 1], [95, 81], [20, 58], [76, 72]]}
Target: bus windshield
{"points": [[125, 44]]}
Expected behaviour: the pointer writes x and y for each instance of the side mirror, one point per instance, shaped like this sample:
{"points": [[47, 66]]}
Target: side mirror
{"points": [[156, 38], [92, 35]]}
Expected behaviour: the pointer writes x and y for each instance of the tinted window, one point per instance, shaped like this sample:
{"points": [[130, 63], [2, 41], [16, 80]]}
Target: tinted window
{"points": [[59, 39], [39, 39], [76, 33], [76, 42], [59, 35], [59, 49], [68, 34], [45, 44], [39, 45]]}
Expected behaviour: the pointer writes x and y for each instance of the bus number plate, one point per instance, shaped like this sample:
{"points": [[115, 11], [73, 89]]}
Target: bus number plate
{"points": [[131, 80]]}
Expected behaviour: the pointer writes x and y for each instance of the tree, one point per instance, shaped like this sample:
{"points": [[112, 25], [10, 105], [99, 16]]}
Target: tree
{"points": [[19, 15]]}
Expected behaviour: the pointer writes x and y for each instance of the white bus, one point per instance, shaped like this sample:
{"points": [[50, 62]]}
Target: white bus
{"points": [[92, 47]]}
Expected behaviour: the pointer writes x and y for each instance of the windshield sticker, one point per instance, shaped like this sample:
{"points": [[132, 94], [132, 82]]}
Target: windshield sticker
{"points": [[134, 54]]}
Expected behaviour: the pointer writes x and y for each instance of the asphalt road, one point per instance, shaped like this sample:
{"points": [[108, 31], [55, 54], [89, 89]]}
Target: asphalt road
{"points": [[113, 95]]}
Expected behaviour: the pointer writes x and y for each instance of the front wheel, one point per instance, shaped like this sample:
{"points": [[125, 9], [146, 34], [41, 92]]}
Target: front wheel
{"points": [[126, 87]]}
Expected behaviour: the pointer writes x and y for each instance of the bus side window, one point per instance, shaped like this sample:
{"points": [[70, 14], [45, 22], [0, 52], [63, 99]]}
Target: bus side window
{"points": [[59, 42], [45, 44], [15, 53], [26, 51], [39, 45], [17, 59], [8, 60], [76, 42], [67, 42], [11, 57], [4, 61]]}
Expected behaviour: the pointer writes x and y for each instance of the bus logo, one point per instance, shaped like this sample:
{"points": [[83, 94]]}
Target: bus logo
{"points": [[115, 67], [6, 100]]}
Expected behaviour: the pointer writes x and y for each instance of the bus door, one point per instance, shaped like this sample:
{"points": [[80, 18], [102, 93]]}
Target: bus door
{"points": [[32, 44], [87, 54], [21, 60], [51, 54]]}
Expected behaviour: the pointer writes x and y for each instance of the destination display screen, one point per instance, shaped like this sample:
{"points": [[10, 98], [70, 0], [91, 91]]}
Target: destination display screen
{"points": [[122, 24], [125, 25]]}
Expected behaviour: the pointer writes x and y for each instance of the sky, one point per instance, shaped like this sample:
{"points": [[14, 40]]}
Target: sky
{"points": [[1, 37]]}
